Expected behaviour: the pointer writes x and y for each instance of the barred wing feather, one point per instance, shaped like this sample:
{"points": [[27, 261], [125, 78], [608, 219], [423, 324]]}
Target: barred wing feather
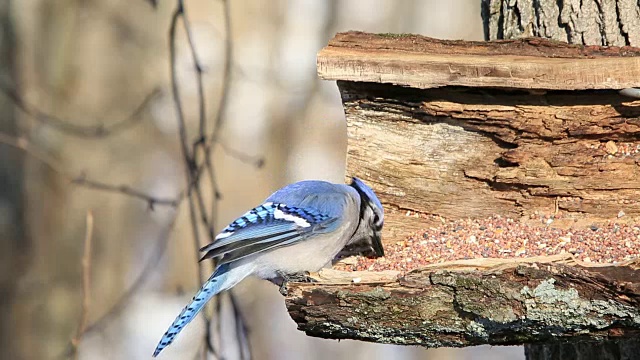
{"points": [[265, 227]]}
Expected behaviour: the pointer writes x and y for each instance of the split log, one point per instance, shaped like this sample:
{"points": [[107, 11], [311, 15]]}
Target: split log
{"points": [[469, 130]]}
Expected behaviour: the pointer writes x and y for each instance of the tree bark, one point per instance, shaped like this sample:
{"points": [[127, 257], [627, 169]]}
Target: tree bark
{"points": [[588, 22], [513, 304]]}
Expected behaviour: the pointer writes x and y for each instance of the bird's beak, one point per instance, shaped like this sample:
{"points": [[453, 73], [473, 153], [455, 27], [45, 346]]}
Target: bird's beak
{"points": [[376, 243]]}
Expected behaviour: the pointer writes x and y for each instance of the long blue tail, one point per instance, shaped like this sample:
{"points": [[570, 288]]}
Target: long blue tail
{"points": [[222, 279]]}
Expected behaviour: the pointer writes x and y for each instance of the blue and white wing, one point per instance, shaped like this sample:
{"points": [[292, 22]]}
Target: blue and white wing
{"points": [[266, 227]]}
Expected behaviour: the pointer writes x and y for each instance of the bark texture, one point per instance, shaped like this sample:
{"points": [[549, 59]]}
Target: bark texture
{"points": [[501, 305], [450, 143], [466, 129], [459, 152], [588, 22]]}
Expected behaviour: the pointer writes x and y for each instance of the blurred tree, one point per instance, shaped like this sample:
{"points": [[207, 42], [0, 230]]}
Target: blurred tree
{"points": [[14, 239]]}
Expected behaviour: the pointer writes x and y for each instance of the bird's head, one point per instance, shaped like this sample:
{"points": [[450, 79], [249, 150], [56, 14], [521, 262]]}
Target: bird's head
{"points": [[371, 217]]}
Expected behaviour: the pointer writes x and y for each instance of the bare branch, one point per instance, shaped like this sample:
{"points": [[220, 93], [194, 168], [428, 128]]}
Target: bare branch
{"points": [[26, 146], [191, 168], [70, 128], [228, 64], [242, 332], [23, 144], [188, 157], [120, 304], [256, 161], [125, 190], [149, 267], [86, 284]]}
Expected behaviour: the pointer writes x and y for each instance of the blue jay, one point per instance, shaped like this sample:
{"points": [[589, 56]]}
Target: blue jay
{"points": [[299, 228]]}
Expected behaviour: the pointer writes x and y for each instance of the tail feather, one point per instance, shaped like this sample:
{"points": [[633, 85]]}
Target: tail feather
{"points": [[222, 279]]}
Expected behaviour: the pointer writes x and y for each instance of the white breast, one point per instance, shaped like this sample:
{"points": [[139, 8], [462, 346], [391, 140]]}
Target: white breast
{"points": [[308, 255]]}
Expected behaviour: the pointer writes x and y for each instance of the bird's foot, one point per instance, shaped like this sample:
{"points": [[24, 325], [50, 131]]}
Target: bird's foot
{"points": [[283, 289], [284, 279], [301, 277]]}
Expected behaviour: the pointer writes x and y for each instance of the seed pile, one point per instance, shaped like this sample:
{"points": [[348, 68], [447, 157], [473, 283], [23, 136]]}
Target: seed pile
{"points": [[499, 237]]}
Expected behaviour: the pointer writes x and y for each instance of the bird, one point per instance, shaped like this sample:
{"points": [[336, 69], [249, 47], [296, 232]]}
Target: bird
{"points": [[298, 229]]}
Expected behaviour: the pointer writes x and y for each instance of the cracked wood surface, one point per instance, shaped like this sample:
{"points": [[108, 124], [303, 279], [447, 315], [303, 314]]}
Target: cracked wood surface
{"points": [[420, 62], [525, 303], [474, 142], [466, 129], [460, 152]]}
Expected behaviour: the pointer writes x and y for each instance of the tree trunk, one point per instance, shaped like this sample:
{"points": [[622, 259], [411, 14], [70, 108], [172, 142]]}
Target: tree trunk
{"points": [[14, 243], [587, 22]]}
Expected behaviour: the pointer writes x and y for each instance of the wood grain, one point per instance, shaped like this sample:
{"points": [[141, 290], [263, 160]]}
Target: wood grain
{"points": [[421, 62], [460, 152]]}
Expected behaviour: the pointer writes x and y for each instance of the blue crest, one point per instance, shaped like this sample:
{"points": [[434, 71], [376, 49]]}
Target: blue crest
{"points": [[365, 191]]}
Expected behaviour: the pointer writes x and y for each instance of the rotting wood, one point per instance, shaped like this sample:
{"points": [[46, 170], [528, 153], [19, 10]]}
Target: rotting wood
{"points": [[589, 22], [478, 141], [467, 129], [520, 303], [459, 152]]}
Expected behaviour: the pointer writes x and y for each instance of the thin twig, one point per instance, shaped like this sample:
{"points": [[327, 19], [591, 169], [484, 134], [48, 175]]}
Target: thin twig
{"points": [[198, 68], [256, 161], [222, 104], [86, 284], [199, 142], [26, 146], [125, 190], [228, 65], [188, 159], [70, 128], [242, 331], [191, 168], [203, 143], [148, 269]]}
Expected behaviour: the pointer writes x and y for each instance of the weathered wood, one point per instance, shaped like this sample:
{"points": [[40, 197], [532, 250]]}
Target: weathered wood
{"points": [[462, 129], [432, 146], [421, 62], [502, 305], [459, 152], [588, 22]]}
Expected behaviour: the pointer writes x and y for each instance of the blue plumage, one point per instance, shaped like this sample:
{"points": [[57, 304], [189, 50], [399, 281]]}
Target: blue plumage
{"points": [[300, 227], [264, 227], [206, 292], [267, 213]]}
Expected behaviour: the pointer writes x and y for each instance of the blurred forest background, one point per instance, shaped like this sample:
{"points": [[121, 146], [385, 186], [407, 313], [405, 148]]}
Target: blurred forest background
{"points": [[92, 63]]}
